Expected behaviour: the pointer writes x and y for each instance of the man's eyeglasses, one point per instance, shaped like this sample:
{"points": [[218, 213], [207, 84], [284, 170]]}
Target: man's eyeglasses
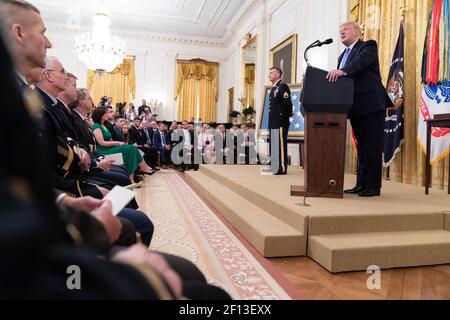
{"points": [[64, 72]]}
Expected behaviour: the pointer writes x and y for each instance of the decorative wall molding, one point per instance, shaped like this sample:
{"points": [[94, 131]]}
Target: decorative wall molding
{"points": [[248, 8], [208, 14], [147, 36]]}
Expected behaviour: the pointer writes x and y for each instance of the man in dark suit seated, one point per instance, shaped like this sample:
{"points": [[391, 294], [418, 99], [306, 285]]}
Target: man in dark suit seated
{"points": [[162, 143], [226, 145], [119, 122], [183, 144], [360, 62], [142, 140], [248, 145], [112, 126]]}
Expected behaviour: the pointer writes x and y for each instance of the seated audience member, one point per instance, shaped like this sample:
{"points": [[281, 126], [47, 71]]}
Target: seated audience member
{"points": [[148, 134], [126, 127], [111, 125], [141, 139], [186, 155], [248, 144], [206, 144], [131, 157], [226, 150], [167, 145], [118, 127], [160, 143]]}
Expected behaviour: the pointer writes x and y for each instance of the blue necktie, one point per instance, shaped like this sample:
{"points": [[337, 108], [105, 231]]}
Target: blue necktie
{"points": [[345, 58]]}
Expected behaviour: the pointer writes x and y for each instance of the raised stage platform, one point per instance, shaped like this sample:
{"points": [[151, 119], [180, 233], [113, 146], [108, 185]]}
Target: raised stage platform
{"points": [[402, 228]]}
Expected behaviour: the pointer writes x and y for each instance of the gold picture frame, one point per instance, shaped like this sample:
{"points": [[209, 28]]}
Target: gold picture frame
{"points": [[230, 102], [251, 41], [286, 50]]}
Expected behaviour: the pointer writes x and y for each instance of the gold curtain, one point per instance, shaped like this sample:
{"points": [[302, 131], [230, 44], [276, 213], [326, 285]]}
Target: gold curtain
{"points": [[249, 85], [380, 20], [119, 84], [196, 90]]}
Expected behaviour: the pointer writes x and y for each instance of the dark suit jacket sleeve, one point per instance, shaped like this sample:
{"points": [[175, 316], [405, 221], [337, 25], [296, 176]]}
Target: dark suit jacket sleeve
{"points": [[367, 55], [132, 135], [287, 102], [157, 141], [168, 138], [83, 136]]}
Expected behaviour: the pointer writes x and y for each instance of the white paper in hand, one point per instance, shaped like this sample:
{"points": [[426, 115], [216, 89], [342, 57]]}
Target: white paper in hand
{"points": [[116, 157], [119, 198]]}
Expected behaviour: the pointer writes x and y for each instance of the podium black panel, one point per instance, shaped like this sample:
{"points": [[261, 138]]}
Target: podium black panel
{"points": [[319, 95]]}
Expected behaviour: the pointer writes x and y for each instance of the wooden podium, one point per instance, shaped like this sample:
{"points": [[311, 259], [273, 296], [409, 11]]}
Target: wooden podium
{"points": [[325, 107]]}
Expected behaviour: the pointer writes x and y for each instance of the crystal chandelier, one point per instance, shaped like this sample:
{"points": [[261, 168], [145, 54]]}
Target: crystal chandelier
{"points": [[98, 50]]}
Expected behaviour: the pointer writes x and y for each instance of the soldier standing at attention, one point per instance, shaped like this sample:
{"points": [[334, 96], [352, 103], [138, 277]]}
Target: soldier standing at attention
{"points": [[280, 111]]}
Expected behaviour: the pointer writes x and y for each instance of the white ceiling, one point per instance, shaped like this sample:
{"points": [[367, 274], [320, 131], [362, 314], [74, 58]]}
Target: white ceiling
{"points": [[199, 18]]}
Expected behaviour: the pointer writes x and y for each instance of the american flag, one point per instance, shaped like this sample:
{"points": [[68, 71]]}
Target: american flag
{"points": [[297, 121], [297, 127]]}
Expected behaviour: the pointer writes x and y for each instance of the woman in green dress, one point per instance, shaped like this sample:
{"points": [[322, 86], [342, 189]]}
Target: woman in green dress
{"points": [[106, 146]]}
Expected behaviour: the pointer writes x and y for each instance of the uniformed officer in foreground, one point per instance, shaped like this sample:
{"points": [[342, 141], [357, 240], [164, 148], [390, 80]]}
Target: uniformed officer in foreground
{"points": [[280, 112]]}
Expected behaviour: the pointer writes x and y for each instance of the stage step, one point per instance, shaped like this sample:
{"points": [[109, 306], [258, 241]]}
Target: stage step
{"points": [[269, 235], [278, 209], [356, 252], [393, 222]]}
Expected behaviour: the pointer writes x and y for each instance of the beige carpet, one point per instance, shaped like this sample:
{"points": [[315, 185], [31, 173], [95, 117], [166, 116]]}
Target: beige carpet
{"points": [[185, 226], [402, 228]]}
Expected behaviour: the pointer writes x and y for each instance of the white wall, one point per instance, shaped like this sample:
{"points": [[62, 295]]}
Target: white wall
{"points": [[155, 65], [272, 21]]}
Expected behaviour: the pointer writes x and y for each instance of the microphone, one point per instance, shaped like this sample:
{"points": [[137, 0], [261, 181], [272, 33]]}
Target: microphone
{"points": [[328, 41], [316, 43]]}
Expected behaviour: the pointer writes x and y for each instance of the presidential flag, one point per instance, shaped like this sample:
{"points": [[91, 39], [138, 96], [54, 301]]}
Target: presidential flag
{"points": [[394, 123], [435, 76]]}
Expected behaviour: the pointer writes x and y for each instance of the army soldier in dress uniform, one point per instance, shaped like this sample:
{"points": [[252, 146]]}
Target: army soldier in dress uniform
{"points": [[280, 111]]}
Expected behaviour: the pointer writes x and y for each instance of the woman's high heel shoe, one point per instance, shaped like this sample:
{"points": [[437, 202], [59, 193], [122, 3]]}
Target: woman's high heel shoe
{"points": [[149, 173]]}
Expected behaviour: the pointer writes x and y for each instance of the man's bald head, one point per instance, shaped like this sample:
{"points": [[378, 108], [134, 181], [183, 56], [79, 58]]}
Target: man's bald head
{"points": [[27, 33]]}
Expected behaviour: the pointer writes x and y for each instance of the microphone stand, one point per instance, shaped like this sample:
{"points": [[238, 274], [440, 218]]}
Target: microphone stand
{"points": [[312, 45]]}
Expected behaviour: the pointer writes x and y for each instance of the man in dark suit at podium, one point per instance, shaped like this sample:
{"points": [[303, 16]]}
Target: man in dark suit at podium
{"points": [[280, 112], [360, 62]]}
